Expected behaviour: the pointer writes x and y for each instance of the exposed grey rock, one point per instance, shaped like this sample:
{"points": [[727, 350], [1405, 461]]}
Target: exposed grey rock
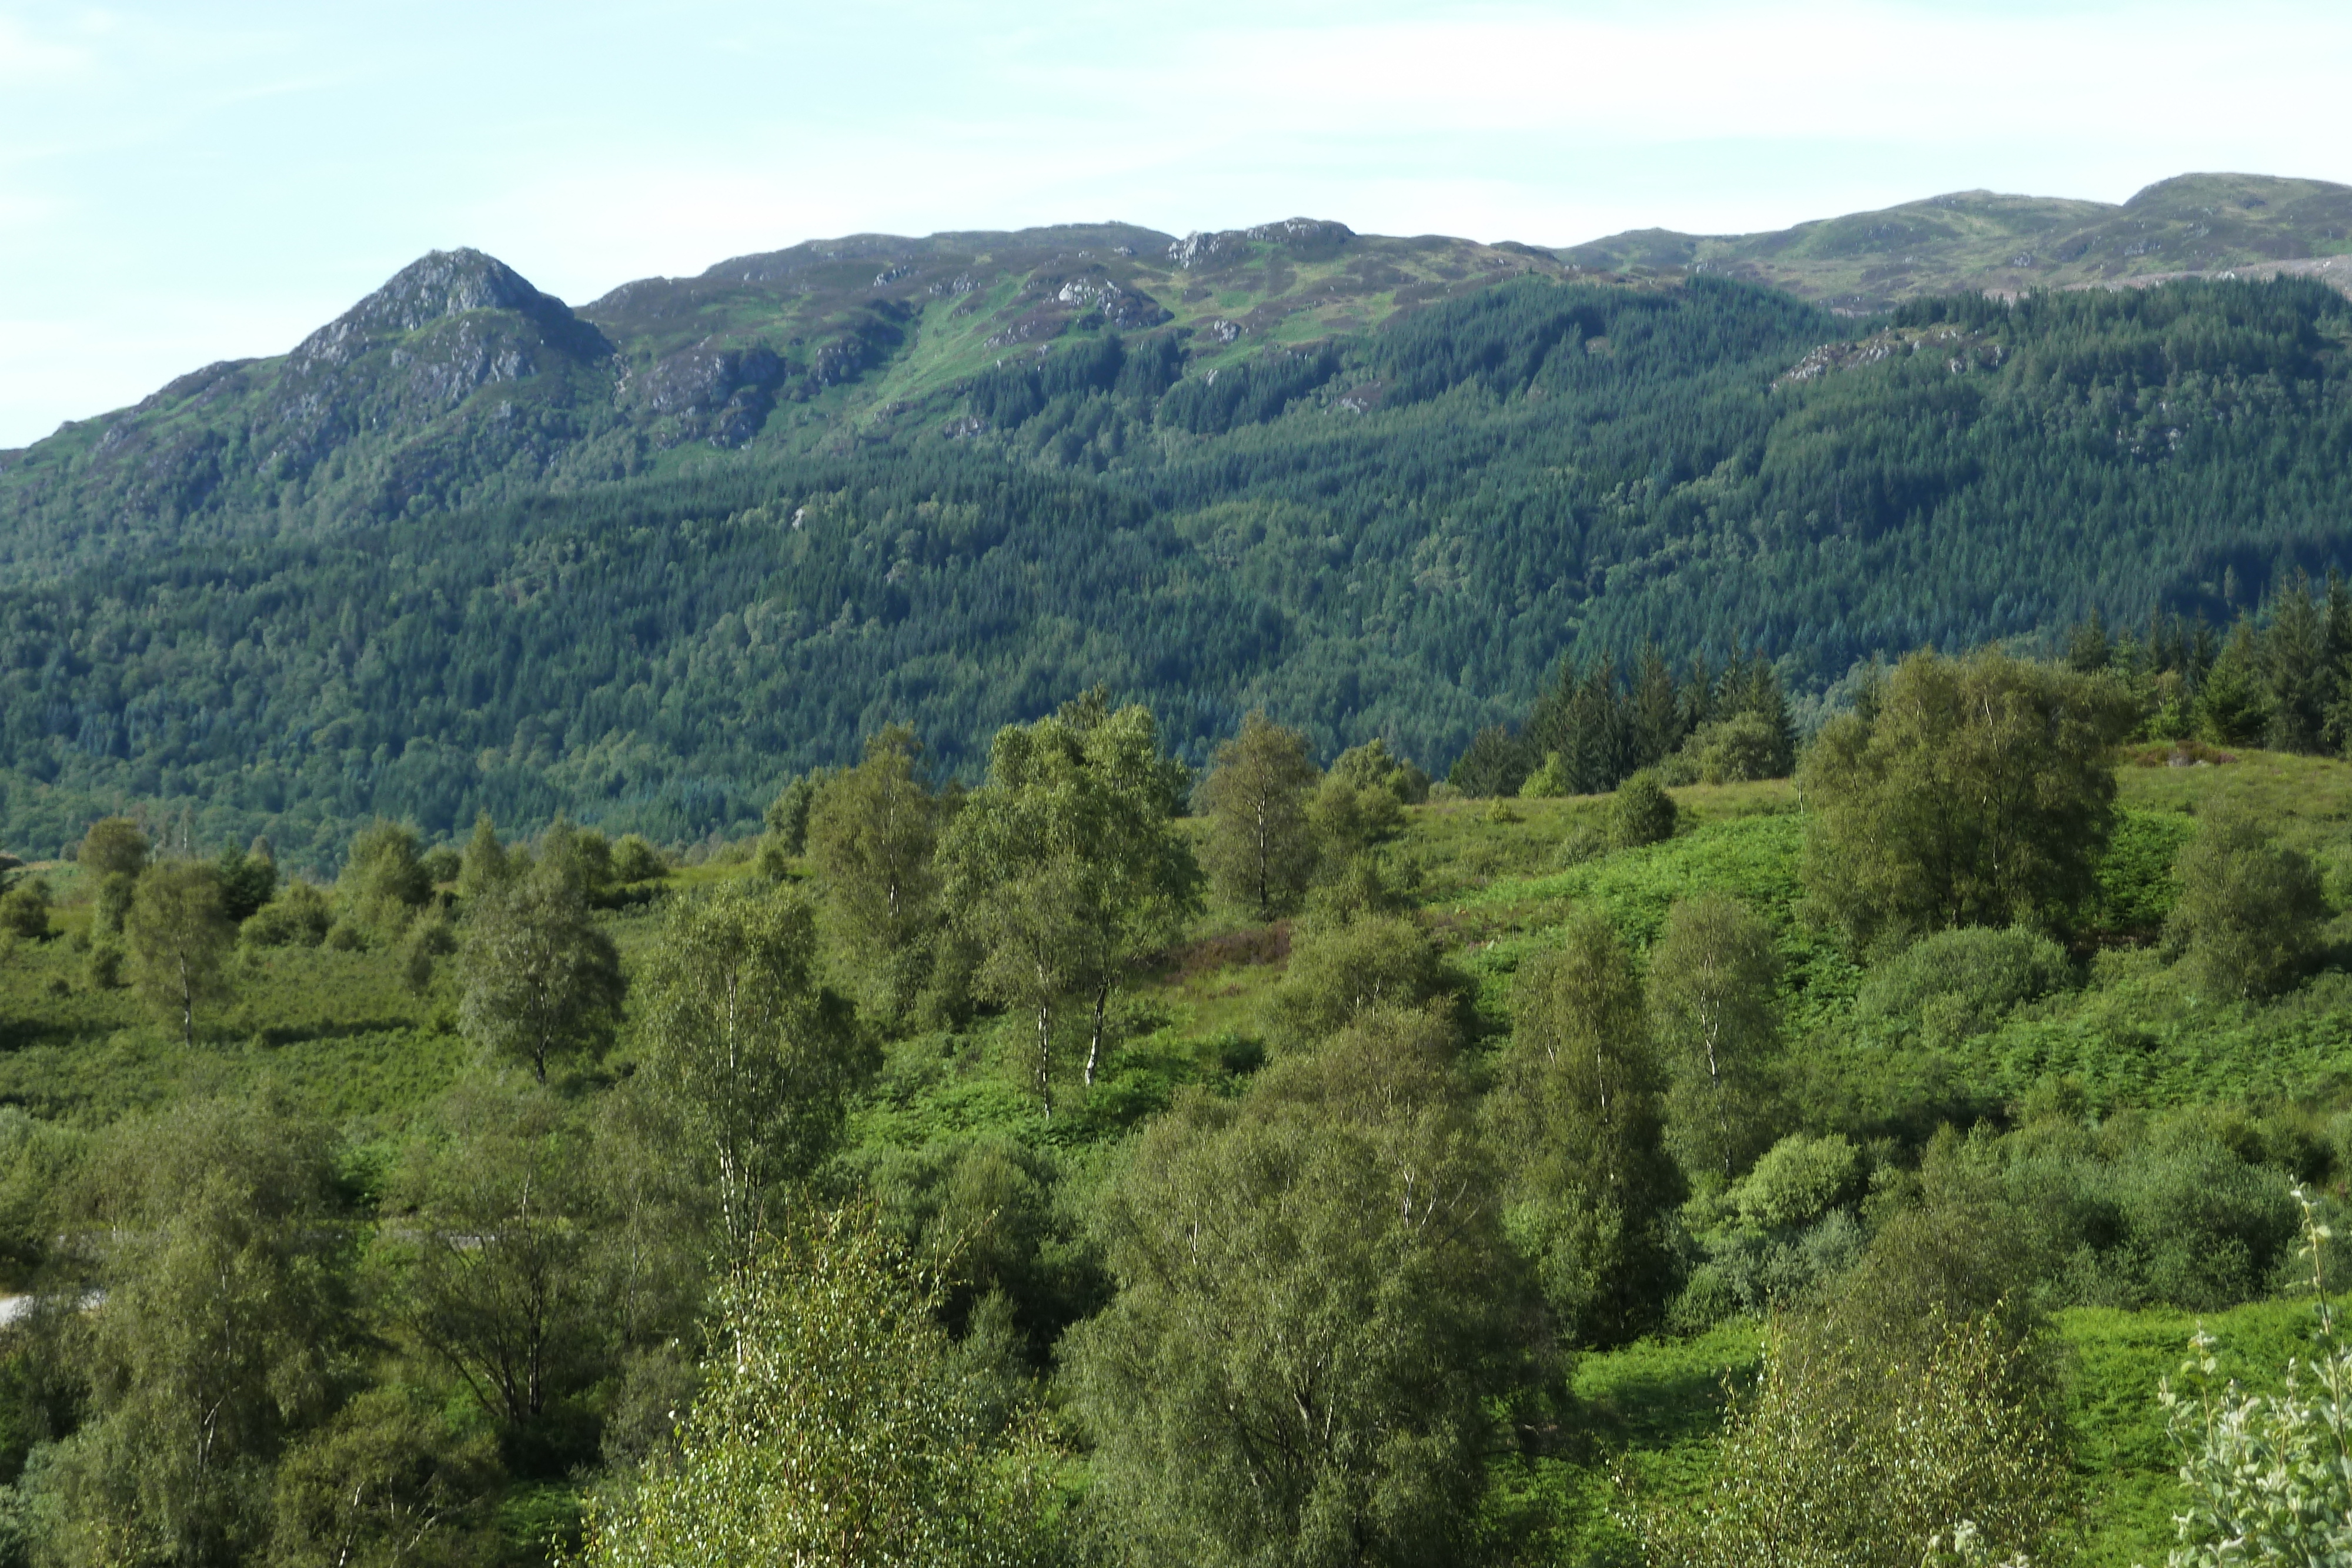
{"points": [[1120, 307], [1316, 235], [440, 285]]}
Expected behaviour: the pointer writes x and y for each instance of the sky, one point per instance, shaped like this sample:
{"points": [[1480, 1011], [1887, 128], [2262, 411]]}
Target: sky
{"points": [[199, 181]]}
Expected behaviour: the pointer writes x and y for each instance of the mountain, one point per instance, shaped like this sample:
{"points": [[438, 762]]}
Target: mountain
{"points": [[457, 383], [468, 547], [2193, 225]]}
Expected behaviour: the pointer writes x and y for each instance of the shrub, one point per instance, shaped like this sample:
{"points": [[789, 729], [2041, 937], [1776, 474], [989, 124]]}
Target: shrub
{"points": [[1956, 984], [25, 910], [300, 916], [1971, 791], [1950, 1456], [1799, 1180], [103, 969], [634, 860], [114, 896], [1546, 782], [2265, 1473], [2249, 913], [1642, 812], [1738, 750], [1337, 972]]}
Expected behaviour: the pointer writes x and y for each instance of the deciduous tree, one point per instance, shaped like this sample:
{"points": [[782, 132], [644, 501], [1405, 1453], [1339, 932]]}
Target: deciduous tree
{"points": [[2250, 911], [540, 980], [1592, 1192], [179, 939], [871, 832], [1261, 849], [1712, 972], [753, 1057], [1978, 791], [1315, 1319], [1067, 865], [836, 1426]]}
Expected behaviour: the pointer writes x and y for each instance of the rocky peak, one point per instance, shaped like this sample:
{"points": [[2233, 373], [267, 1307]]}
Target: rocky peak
{"points": [[1317, 234], [438, 285]]}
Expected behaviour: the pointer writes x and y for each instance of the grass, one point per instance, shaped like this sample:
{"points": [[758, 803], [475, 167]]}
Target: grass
{"points": [[1653, 1412], [339, 1034]]}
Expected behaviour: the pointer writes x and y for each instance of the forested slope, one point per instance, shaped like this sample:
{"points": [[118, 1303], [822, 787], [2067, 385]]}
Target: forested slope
{"points": [[1397, 530]]}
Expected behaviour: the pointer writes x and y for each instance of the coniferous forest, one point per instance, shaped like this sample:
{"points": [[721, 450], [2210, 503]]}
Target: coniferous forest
{"points": [[1398, 533], [1597, 922]]}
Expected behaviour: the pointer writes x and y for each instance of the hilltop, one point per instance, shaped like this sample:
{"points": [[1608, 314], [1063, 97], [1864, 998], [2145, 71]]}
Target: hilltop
{"points": [[2193, 226]]}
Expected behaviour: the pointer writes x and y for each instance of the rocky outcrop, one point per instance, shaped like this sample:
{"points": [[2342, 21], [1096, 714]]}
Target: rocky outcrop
{"points": [[440, 285], [1306, 239]]}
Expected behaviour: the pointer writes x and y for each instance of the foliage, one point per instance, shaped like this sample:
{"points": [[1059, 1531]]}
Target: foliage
{"points": [[2267, 1475], [1261, 849], [179, 939], [870, 831], [540, 980], [1799, 1180], [1640, 813], [1577, 1110], [1712, 974], [1954, 984], [750, 1056], [1838, 1458], [490, 1270], [1297, 1364], [634, 860], [383, 881], [113, 846], [835, 1427], [1066, 867], [2249, 913], [300, 915], [203, 1226], [387, 1479], [1340, 969], [248, 881], [1973, 790], [25, 910], [557, 609]]}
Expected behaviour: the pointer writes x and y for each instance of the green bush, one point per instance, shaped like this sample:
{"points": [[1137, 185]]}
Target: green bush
{"points": [[101, 967], [300, 916], [25, 910], [1642, 812], [635, 860], [114, 896], [2249, 913], [1740, 749], [1549, 781], [1337, 972], [1956, 984], [1799, 1180]]}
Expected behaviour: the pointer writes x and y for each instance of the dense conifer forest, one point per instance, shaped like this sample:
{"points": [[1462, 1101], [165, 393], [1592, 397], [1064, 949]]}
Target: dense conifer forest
{"points": [[1397, 533]]}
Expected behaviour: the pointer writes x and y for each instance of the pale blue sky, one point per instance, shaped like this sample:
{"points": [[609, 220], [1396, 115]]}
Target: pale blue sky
{"points": [[198, 181]]}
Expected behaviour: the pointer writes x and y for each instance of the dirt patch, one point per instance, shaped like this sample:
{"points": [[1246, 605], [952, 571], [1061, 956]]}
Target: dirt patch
{"points": [[1263, 945]]}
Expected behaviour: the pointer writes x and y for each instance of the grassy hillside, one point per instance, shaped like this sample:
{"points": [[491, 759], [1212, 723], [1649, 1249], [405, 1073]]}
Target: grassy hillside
{"points": [[2194, 225], [341, 1035]]}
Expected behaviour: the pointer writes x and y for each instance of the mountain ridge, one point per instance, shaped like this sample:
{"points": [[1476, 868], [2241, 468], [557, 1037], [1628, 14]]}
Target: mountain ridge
{"points": [[637, 562], [2188, 225]]}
